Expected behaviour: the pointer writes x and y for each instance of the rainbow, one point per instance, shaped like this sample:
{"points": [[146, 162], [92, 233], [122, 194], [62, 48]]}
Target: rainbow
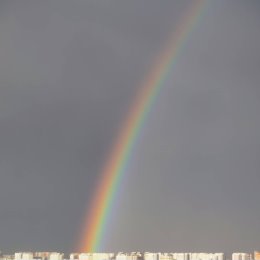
{"points": [[96, 221]]}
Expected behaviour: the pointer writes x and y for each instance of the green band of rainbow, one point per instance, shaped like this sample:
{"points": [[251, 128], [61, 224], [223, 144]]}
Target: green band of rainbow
{"points": [[114, 169]]}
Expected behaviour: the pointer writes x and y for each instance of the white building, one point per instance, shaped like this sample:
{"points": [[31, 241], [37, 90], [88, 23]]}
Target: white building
{"points": [[150, 256], [195, 256], [56, 256], [41, 255], [131, 256], [165, 256], [219, 256], [102, 256], [181, 256], [240, 256], [92, 256], [74, 256], [85, 256], [23, 256]]}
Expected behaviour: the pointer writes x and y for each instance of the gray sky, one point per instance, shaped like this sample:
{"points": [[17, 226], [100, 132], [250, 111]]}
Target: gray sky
{"points": [[68, 73]]}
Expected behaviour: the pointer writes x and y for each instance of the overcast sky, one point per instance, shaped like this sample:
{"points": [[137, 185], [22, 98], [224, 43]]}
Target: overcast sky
{"points": [[69, 71]]}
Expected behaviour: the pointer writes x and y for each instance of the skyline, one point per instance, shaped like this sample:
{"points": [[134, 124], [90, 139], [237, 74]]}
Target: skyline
{"points": [[130, 256], [160, 255], [69, 73], [177, 255]]}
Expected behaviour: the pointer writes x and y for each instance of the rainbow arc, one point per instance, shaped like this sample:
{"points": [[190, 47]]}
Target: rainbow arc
{"points": [[114, 168]]}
